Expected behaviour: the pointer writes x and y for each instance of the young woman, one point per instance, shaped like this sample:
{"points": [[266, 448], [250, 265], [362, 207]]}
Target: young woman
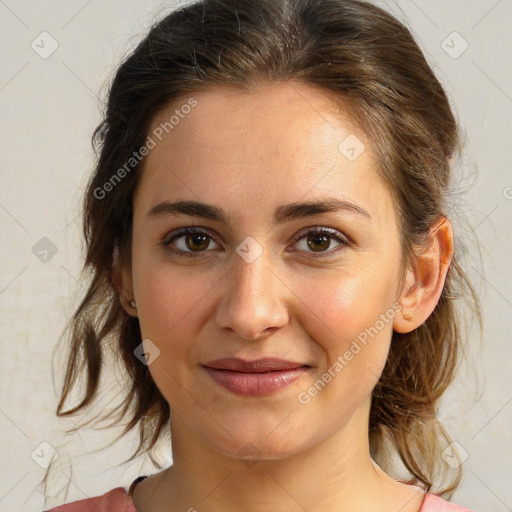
{"points": [[272, 261]]}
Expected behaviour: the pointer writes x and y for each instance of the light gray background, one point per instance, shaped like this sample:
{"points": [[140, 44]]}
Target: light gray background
{"points": [[49, 108]]}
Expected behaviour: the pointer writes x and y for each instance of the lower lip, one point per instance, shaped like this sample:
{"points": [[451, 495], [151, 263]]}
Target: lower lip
{"points": [[255, 384]]}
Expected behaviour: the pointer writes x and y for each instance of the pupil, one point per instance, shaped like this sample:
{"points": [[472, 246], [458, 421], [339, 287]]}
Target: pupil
{"points": [[196, 239], [324, 238]]}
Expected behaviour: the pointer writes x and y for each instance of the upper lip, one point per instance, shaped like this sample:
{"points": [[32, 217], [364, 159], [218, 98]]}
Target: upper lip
{"points": [[266, 364]]}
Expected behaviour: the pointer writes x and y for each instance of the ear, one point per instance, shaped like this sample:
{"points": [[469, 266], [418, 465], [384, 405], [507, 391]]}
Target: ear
{"points": [[122, 280], [425, 278]]}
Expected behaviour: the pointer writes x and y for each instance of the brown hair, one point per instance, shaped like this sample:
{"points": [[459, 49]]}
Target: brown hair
{"points": [[370, 61]]}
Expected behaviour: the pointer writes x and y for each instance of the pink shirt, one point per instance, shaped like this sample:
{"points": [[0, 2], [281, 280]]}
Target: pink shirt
{"points": [[120, 500]]}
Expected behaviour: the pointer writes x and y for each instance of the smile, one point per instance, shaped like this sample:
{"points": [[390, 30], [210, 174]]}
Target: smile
{"points": [[254, 378]]}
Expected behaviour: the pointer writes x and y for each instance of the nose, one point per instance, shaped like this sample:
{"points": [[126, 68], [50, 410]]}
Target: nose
{"points": [[254, 299]]}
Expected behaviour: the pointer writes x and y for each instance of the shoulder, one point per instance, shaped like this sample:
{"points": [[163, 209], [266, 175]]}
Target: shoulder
{"points": [[116, 500], [434, 503]]}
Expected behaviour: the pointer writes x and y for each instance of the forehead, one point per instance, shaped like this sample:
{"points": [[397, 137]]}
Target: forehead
{"points": [[232, 122], [280, 143]]}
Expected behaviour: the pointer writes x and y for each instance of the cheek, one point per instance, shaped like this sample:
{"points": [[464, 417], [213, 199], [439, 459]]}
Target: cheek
{"points": [[351, 320], [169, 301], [171, 313], [342, 306]]}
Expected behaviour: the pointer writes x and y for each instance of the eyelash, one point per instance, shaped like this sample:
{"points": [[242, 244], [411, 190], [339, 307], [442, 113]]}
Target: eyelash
{"points": [[331, 233]]}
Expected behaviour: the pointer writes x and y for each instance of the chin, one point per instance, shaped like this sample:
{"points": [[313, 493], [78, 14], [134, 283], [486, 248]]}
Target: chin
{"points": [[253, 442]]}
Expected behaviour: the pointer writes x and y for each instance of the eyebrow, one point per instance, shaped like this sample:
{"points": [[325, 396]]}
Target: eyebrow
{"points": [[282, 214]]}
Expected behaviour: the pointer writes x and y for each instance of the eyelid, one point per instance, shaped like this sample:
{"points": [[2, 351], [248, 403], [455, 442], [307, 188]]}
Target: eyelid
{"points": [[343, 239], [180, 232], [176, 233], [332, 232]]}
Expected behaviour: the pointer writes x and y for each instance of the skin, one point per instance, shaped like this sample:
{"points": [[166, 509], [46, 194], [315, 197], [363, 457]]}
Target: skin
{"points": [[249, 154]]}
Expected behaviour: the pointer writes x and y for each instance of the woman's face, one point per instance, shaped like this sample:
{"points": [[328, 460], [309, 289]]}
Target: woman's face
{"points": [[253, 283]]}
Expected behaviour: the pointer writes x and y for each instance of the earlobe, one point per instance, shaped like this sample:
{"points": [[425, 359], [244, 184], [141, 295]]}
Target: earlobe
{"points": [[122, 281], [425, 278]]}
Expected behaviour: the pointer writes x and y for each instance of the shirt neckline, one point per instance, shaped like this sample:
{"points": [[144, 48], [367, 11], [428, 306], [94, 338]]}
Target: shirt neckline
{"points": [[132, 487], [139, 479]]}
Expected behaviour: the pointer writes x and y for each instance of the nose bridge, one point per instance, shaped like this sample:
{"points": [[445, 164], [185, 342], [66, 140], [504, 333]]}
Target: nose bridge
{"points": [[253, 298]]}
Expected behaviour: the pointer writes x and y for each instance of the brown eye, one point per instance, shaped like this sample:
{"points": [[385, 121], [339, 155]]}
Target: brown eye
{"points": [[319, 240], [189, 242], [193, 242], [197, 242]]}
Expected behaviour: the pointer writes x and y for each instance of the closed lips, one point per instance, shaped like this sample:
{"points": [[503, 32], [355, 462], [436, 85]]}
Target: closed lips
{"points": [[256, 366], [254, 378]]}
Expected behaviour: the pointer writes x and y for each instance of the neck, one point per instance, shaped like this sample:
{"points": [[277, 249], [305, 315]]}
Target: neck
{"points": [[336, 474]]}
